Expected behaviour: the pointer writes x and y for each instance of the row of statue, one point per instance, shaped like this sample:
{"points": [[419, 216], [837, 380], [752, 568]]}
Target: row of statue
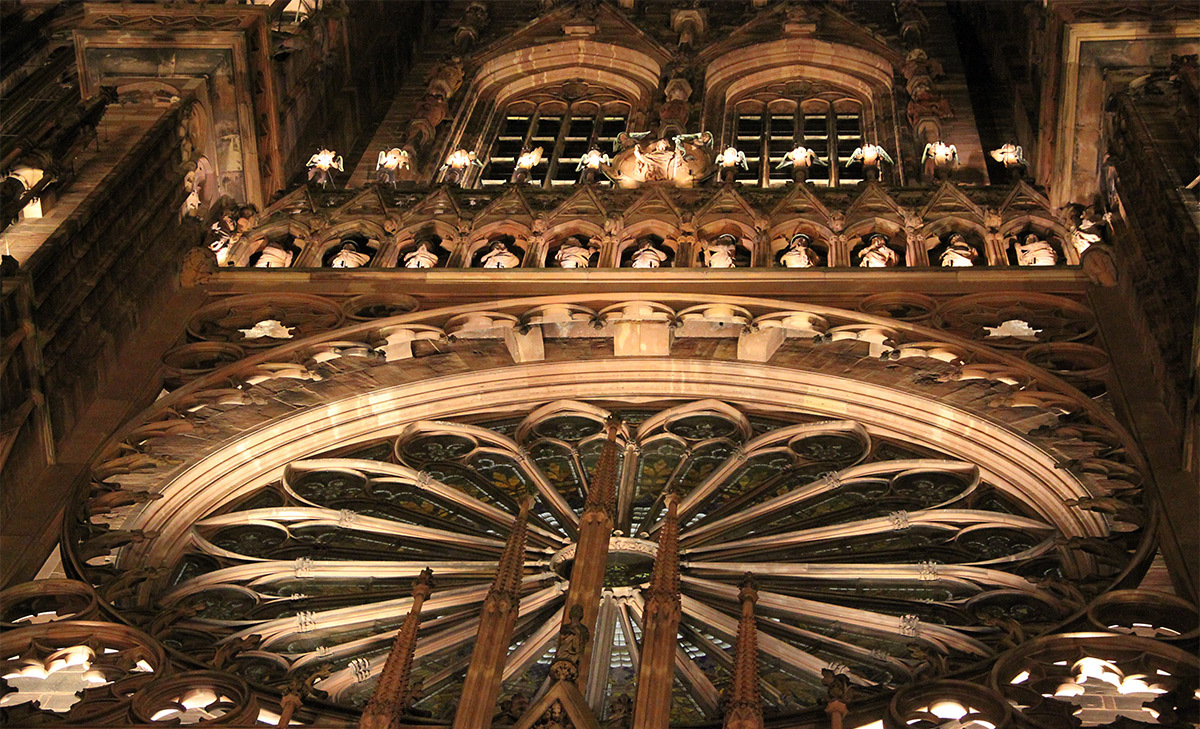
{"points": [[579, 251]]}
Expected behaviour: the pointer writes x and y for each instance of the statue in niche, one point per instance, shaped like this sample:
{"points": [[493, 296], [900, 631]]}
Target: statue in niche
{"points": [[500, 256], [798, 253], [575, 252], [958, 252], [647, 255], [877, 254], [422, 257], [720, 253], [274, 255], [350, 257], [1087, 226], [1034, 251]]}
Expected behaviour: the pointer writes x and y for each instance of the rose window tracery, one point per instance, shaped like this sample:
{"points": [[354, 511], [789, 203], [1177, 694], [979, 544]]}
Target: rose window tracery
{"points": [[890, 561]]}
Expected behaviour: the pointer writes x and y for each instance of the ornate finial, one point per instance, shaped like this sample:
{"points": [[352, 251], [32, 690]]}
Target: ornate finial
{"points": [[392, 693], [602, 496], [745, 704], [837, 694]]}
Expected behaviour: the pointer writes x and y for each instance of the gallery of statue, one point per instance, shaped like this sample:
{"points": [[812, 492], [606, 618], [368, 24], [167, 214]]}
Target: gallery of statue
{"points": [[600, 364]]}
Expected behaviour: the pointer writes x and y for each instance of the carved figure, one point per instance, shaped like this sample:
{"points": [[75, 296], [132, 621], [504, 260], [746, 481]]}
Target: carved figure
{"points": [[942, 154], [390, 165], [800, 159], [320, 164], [647, 255], [572, 642], [1035, 252], [274, 255], [877, 254], [499, 256], [445, 78], [620, 713], [720, 253], [350, 257], [574, 253], [958, 253], [870, 155], [1010, 155], [422, 257], [1087, 226], [681, 160], [798, 254], [530, 158], [592, 160], [837, 686]]}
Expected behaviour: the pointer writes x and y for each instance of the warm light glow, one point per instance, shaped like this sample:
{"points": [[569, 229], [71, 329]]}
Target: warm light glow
{"points": [[460, 158], [1070, 688], [730, 157], [948, 710], [1089, 667], [1021, 677]]}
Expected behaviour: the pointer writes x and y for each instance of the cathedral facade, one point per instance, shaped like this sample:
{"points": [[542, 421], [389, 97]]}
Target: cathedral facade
{"points": [[600, 363]]}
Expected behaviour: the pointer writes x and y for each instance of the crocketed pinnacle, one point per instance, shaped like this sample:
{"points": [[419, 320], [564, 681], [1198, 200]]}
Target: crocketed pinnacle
{"points": [[602, 494], [664, 577], [507, 584], [387, 704], [744, 710]]}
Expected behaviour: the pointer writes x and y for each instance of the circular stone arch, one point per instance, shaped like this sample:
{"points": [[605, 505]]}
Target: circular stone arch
{"points": [[258, 457]]}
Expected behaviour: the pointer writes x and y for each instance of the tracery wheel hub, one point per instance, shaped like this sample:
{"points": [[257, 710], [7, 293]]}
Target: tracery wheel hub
{"points": [[629, 561]]}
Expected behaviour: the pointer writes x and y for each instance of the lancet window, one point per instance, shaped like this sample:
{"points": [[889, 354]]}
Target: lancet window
{"points": [[766, 127], [564, 131]]}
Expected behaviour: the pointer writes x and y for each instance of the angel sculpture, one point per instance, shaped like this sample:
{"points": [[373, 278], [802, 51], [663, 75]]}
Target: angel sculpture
{"points": [[458, 161], [528, 159], [941, 153], [592, 160], [870, 155], [732, 157], [1010, 155], [390, 164], [320, 164], [800, 157]]}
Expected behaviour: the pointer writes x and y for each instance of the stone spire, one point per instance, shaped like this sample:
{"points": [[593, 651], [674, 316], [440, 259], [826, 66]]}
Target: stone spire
{"points": [[391, 692], [591, 555], [496, 622], [745, 702], [656, 674]]}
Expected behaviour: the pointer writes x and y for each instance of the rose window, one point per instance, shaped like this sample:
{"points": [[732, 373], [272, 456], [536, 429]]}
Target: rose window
{"points": [[886, 561]]}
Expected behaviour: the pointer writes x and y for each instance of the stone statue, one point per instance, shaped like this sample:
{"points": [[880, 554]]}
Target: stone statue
{"points": [[274, 255], [321, 164], [422, 257], [511, 710], [870, 155], [499, 256], [350, 257], [719, 253], [1087, 226], [573, 638], [958, 253], [1034, 251], [877, 254], [1010, 155], [647, 255], [798, 254], [681, 160], [575, 252], [390, 165]]}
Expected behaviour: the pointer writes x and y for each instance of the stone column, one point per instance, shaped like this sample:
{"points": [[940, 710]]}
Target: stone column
{"points": [[481, 687], [390, 699], [745, 705], [660, 628], [591, 555]]}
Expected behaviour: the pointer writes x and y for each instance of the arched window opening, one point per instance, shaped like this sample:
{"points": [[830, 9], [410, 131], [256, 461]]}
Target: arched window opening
{"points": [[564, 130], [768, 126]]}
